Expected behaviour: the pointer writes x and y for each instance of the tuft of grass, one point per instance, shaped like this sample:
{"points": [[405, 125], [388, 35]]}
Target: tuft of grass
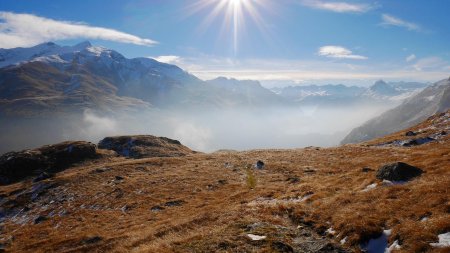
{"points": [[251, 178]]}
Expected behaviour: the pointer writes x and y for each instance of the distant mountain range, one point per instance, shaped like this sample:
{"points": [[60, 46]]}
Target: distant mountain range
{"points": [[379, 92], [433, 99], [48, 78]]}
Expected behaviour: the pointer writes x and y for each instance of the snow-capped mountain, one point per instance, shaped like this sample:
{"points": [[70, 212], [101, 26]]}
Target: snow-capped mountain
{"points": [[319, 94], [433, 99], [384, 91], [42, 52], [49, 77], [379, 92]]}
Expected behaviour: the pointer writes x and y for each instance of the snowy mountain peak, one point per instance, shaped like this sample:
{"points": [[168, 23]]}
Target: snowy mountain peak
{"points": [[382, 88], [224, 81], [380, 82], [82, 45]]}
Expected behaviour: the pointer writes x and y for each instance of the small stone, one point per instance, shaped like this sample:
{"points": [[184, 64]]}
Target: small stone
{"points": [[260, 165], [92, 240], [42, 176], [174, 203], [282, 247], [157, 209], [366, 169], [222, 181], [119, 178], [293, 180], [410, 133], [40, 219]]}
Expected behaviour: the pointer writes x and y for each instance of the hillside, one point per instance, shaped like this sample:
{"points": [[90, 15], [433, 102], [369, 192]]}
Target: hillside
{"points": [[433, 99], [48, 79], [302, 200]]}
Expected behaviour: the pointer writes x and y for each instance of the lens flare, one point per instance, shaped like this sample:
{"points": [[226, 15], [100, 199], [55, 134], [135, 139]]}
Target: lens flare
{"points": [[234, 14]]}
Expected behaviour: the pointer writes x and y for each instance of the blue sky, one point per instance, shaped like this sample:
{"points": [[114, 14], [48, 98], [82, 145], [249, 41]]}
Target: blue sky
{"points": [[284, 41]]}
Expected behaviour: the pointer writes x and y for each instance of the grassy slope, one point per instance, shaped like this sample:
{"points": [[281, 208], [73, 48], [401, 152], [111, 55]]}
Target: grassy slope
{"points": [[219, 206]]}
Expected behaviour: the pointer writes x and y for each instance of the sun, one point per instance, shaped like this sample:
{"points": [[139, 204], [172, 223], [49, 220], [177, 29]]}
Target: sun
{"points": [[236, 2], [234, 14]]}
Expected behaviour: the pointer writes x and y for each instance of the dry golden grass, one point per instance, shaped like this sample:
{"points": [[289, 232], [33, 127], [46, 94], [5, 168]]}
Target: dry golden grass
{"points": [[300, 191]]}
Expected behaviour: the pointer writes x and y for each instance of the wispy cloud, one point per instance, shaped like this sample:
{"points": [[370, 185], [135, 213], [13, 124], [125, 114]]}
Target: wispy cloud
{"points": [[410, 58], [431, 63], [340, 7], [389, 20], [170, 59], [21, 30], [281, 71], [339, 52]]}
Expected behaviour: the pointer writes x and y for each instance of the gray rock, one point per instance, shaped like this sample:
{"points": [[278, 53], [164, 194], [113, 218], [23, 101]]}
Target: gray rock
{"points": [[92, 240], [398, 172], [157, 209], [260, 165], [40, 219], [174, 203], [282, 247], [410, 133]]}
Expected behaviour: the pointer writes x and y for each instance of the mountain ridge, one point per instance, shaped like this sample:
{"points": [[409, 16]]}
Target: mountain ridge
{"points": [[433, 99]]}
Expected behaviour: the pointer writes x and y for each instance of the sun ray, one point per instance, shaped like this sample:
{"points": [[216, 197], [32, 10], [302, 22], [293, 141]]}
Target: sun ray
{"points": [[234, 13]]}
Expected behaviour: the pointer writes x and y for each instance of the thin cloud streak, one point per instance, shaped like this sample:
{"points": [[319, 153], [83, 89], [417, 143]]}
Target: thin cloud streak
{"points": [[339, 52], [389, 20], [340, 7], [209, 67], [410, 58], [23, 30], [170, 59]]}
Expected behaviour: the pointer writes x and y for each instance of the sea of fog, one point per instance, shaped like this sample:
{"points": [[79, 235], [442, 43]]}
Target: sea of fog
{"points": [[202, 130]]}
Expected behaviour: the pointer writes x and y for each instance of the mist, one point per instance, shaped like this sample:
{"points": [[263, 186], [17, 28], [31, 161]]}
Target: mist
{"points": [[201, 130]]}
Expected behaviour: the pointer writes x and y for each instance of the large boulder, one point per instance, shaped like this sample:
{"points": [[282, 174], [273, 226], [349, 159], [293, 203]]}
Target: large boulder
{"points": [[142, 146], [398, 172], [15, 166]]}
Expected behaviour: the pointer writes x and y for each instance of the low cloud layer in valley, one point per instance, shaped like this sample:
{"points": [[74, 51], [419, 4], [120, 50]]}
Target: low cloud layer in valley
{"points": [[205, 131]]}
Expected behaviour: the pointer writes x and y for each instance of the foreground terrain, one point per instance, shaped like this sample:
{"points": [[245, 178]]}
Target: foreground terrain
{"points": [[302, 200]]}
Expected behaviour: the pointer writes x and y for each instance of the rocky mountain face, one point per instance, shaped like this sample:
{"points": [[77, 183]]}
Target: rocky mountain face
{"points": [[433, 99]]}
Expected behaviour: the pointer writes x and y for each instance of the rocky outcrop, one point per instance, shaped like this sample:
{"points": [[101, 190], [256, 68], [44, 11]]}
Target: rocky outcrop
{"points": [[398, 172], [15, 166], [142, 146]]}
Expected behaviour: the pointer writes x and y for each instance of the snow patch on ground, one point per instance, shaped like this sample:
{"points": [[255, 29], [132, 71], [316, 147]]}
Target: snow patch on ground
{"points": [[380, 244], [370, 187], [331, 231], [274, 202], [444, 241], [256, 237], [390, 183], [393, 246]]}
